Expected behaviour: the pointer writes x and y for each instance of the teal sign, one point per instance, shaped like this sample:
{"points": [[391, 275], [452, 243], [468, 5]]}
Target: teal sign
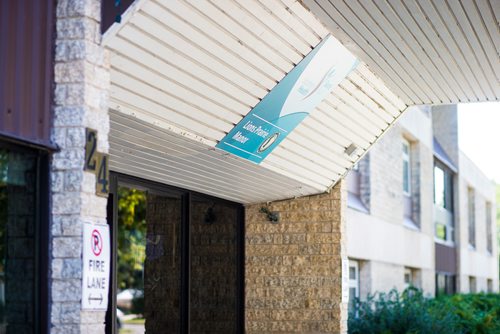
{"points": [[290, 101]]}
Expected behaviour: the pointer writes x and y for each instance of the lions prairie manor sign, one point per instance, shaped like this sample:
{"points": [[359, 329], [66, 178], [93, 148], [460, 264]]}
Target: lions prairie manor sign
{"points": [[290, 101]]}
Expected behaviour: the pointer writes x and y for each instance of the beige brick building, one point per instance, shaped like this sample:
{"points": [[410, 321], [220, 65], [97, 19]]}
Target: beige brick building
{"points": [[420, 212], [126, 192]]}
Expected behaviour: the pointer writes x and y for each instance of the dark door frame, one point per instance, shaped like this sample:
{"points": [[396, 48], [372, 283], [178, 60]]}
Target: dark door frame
{"points": [[117, 179]]}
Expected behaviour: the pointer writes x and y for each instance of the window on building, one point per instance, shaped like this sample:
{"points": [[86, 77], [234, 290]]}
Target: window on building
{"points": [[489, 228], [21, 245], [445, 284], [490, 285], [408, 278], [412, 277], [443, 203], [471, 205], [406, 168], [472, 284], [353, 282], [411, 196], [354, 181]]}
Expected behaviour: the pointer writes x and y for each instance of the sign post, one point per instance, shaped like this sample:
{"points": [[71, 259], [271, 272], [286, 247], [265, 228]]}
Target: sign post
{"points": [[96, 265]]}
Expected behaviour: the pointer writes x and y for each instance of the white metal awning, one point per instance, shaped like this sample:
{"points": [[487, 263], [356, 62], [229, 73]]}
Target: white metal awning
{"points": [[427, 52], [183, 73]]}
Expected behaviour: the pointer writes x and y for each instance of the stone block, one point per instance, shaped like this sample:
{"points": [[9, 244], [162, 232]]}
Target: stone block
{"points": [[57, 181], [66, 203], [73, 180], [67, 116], [58, 137], [65, 329], [66, 268], [78, 9], [67, 290], [67, 247], [68, 159], [66, 313], [81, 28], [92, 317]]}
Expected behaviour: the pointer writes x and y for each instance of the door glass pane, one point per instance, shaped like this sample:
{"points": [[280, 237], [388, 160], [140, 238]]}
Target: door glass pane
{"points": [[213, 274], [148, 261], [17, 241]]}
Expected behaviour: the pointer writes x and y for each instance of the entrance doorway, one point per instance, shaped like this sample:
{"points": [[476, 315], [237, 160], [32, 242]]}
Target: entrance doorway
{"points": [[177, 260]]}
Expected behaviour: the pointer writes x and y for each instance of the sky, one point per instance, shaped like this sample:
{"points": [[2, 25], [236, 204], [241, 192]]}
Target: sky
{"points": [[479, 135]]}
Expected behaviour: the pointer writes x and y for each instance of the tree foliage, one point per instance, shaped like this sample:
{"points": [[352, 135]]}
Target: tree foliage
{"points": [[131, 238]]}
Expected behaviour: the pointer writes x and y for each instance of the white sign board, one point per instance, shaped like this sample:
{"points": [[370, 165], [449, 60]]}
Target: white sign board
{"points": [[96, 264]]}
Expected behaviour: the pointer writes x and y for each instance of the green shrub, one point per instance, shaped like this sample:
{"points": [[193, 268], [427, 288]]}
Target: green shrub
{"points": [[411, 313]]}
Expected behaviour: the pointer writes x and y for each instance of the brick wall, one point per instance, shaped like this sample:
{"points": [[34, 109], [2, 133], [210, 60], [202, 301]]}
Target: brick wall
{"points": [[386, 177], [386, 254], [80, 100], [445, 129], [293, 269]]}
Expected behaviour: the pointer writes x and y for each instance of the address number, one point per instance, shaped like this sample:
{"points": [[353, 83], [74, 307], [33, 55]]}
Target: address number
{"points": [[102, 175], [97, 163], [90, 150]]}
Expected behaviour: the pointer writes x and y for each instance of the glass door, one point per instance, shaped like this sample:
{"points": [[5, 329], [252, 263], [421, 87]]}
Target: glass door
{"points": [[146, 294], [178, 265], [213, 267]]}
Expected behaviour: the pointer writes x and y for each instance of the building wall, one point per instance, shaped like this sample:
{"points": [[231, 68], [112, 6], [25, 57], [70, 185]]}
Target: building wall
{"points": [[445, 129], [380, 238], [293, 268], [80, 101], [476, 262]]}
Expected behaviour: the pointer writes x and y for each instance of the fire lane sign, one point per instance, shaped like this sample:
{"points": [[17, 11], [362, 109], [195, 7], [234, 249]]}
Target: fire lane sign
{"points": [[96, 265]]}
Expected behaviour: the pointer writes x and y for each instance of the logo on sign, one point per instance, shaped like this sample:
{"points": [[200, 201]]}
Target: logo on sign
{"points": [[290, 101], [96, 241]]}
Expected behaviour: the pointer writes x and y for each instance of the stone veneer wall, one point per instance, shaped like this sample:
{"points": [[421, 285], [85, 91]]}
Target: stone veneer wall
{"points": [[80, 100], [293, 269]]}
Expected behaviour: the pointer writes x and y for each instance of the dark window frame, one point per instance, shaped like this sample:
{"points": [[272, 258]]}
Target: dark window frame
{"points": [[449, 202], [117, 179], [471, 216], [41, 285]]}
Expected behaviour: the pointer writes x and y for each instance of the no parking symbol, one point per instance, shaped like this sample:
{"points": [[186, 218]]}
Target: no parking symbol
{"points": [[96, 242], [96, 264]]}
